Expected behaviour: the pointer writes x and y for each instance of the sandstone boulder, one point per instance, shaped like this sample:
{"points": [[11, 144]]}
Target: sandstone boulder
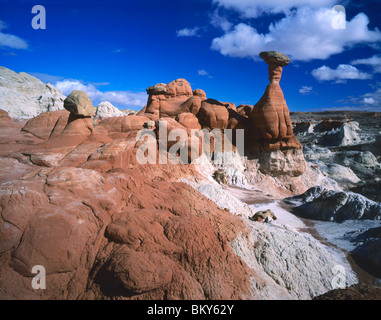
{"points": [[213, 114], [245, 109], [79, 104], [188, 120], [200, 93], [6, 120]]}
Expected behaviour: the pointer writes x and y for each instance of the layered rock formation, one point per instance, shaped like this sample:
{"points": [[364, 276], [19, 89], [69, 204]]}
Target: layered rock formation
{"points": [[322, 204], [24, 96], [74, 198], [103, 226], [169, 100], [271, 132]]}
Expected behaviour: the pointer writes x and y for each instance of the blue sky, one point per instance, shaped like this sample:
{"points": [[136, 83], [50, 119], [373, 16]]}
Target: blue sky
{"points": [[114, 50]]}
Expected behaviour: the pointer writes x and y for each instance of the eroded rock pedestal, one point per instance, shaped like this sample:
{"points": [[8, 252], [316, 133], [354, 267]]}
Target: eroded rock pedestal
{"points": [[271, 136]]}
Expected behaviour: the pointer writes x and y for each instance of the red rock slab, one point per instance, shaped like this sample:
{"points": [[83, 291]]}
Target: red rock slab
{"points": [[42, 125]]}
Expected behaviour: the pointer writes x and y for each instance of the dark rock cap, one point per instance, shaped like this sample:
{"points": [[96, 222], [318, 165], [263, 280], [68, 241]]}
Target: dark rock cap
{"points": [[275, 57], [159, 88]]}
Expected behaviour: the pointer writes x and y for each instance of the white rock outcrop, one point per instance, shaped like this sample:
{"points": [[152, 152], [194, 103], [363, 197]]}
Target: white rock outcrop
{"points": [[106, 110], [24, 96], [346, 135], [233, 166], [321, 204], [344, 176]]}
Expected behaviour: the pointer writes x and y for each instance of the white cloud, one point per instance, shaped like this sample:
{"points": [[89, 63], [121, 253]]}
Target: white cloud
{"points": [[188, 32], [118, 51], [373, 98], [342, 72], [374, 61], [304, 34], [124, 99], [10, 40], [219, 21], [369, 101], [202, 72], [305, 90], [254, 8]]}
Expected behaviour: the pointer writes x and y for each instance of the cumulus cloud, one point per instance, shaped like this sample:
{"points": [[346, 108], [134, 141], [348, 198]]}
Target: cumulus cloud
{"points": [[373, 98], [369, 101], [202, 72], [374, 62], [10, 40], [342, 72], [254, 8], [123, 99], [188, 32], [305, 90], [304, 34], [219, 21]]}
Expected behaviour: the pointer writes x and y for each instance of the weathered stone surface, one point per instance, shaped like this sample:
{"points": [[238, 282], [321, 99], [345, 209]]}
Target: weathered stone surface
{"points": [[79, 104], [289, 162], [245, 109], [179, 87], [6, 120], [124, 124], [345, 135], [177, 140], [172, 99], [188, 120], [106, 110], [106, 227], [213, 114], [275, 57], [137, 272], [359, 291], [43, 125], [271, 251], [200, 93], [322, 204], [271, 122], [24, 96], [271, 127]]}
